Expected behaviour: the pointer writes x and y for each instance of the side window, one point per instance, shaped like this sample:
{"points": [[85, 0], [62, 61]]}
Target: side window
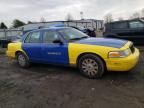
{"points": [[33, 37], [136, 24], [120, 25], [27, 38], [50, 36]]}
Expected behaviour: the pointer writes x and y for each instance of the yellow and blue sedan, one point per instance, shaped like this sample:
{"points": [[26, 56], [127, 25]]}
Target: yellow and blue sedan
{"points": [[70, 47]]}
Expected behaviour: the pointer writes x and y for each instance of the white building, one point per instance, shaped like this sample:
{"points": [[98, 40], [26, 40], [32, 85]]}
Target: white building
{"points": [[87, 23]]}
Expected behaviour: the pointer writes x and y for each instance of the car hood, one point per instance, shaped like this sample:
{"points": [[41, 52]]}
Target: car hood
{"points": [[116, 43]]}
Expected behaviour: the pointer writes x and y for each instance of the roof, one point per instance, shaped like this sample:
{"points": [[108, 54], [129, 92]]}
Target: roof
{"points": [[50, 28]]}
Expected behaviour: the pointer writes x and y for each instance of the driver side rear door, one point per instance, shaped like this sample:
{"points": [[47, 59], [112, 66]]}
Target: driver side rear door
{"points": [[32, 46]]}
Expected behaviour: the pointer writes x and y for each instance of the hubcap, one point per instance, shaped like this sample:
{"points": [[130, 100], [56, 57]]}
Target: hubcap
{"points": [[90, 66], [21, 60]]}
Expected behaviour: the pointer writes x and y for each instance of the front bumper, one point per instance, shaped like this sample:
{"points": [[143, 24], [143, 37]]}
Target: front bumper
{"points": [[123, 64]]}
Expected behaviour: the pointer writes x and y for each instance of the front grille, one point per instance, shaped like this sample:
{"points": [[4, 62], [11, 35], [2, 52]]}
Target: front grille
{"points": [[132, 48]]}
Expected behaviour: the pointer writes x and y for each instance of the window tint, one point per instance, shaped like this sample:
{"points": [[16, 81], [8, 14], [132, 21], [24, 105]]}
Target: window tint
{"points": [[121, 25], [33, 38], [136, 24], [50, 36]]}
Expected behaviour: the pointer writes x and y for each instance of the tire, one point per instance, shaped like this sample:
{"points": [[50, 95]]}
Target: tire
{"points": [[22, 60], [91, 66]]}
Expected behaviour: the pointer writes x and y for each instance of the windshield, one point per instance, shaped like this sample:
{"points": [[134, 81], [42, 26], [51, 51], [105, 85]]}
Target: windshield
{"points": [[71, 34]]}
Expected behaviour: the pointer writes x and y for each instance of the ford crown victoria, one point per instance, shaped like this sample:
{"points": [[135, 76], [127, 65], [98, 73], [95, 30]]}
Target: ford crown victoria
{"points": [[70, 47]]}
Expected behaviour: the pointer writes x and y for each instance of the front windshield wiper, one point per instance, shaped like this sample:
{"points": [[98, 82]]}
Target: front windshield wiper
{"points": [[79, 38], [84, 37]]}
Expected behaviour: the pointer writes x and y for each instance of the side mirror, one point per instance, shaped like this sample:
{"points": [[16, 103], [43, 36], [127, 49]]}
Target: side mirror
{"points": [[58, 42]]}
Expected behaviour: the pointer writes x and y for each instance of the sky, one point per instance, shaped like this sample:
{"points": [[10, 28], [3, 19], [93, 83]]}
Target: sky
{"points": [[53, 10]]}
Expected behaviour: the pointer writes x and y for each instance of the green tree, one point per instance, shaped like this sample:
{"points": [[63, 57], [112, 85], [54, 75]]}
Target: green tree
{"points": [[17, 23], [3, 26]]}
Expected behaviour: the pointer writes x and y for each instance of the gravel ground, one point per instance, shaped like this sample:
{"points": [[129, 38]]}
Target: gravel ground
{"points": [[47, 86]]}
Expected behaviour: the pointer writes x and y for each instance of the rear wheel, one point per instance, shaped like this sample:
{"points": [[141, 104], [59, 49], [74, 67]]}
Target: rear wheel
{"points": [[91, 66], [22, 60]]}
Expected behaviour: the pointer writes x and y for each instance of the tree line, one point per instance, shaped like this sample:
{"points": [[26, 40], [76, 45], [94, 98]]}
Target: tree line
{"points": [[16, 23], [107, 18]]}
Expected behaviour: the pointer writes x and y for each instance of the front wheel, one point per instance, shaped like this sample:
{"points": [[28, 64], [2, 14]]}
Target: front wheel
{"points": [[91, 66], [22, 60]]}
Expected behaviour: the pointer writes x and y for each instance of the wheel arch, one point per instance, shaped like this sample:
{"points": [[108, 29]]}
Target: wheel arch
{"points": [[82, 54], [20, 51]]}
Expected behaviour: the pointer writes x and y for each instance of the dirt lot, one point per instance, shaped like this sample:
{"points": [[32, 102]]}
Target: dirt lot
{"points": [[46, 86]]}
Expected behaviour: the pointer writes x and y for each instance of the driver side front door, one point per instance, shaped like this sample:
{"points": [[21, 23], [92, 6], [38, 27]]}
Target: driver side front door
{"points": [[54, 53]]}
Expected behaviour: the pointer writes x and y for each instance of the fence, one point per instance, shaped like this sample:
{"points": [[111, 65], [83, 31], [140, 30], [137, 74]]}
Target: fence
{"points": [[91, 24], [10, 32]]}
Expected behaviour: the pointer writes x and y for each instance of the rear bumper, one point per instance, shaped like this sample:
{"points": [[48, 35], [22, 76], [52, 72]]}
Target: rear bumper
{"points": [[123, 64]]}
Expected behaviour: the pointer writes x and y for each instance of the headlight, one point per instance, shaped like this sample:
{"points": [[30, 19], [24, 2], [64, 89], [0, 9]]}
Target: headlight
{"points": [[119, 54]]}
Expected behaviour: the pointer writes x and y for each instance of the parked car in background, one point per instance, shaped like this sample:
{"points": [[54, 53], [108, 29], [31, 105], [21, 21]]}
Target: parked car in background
{"points": [[82, 29], [89, 32], [8, 39], [70, 47], [132, 30]]}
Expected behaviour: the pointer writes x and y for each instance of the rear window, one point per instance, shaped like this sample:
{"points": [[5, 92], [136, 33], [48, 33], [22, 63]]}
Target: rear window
{"points": [[121, 25]]}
